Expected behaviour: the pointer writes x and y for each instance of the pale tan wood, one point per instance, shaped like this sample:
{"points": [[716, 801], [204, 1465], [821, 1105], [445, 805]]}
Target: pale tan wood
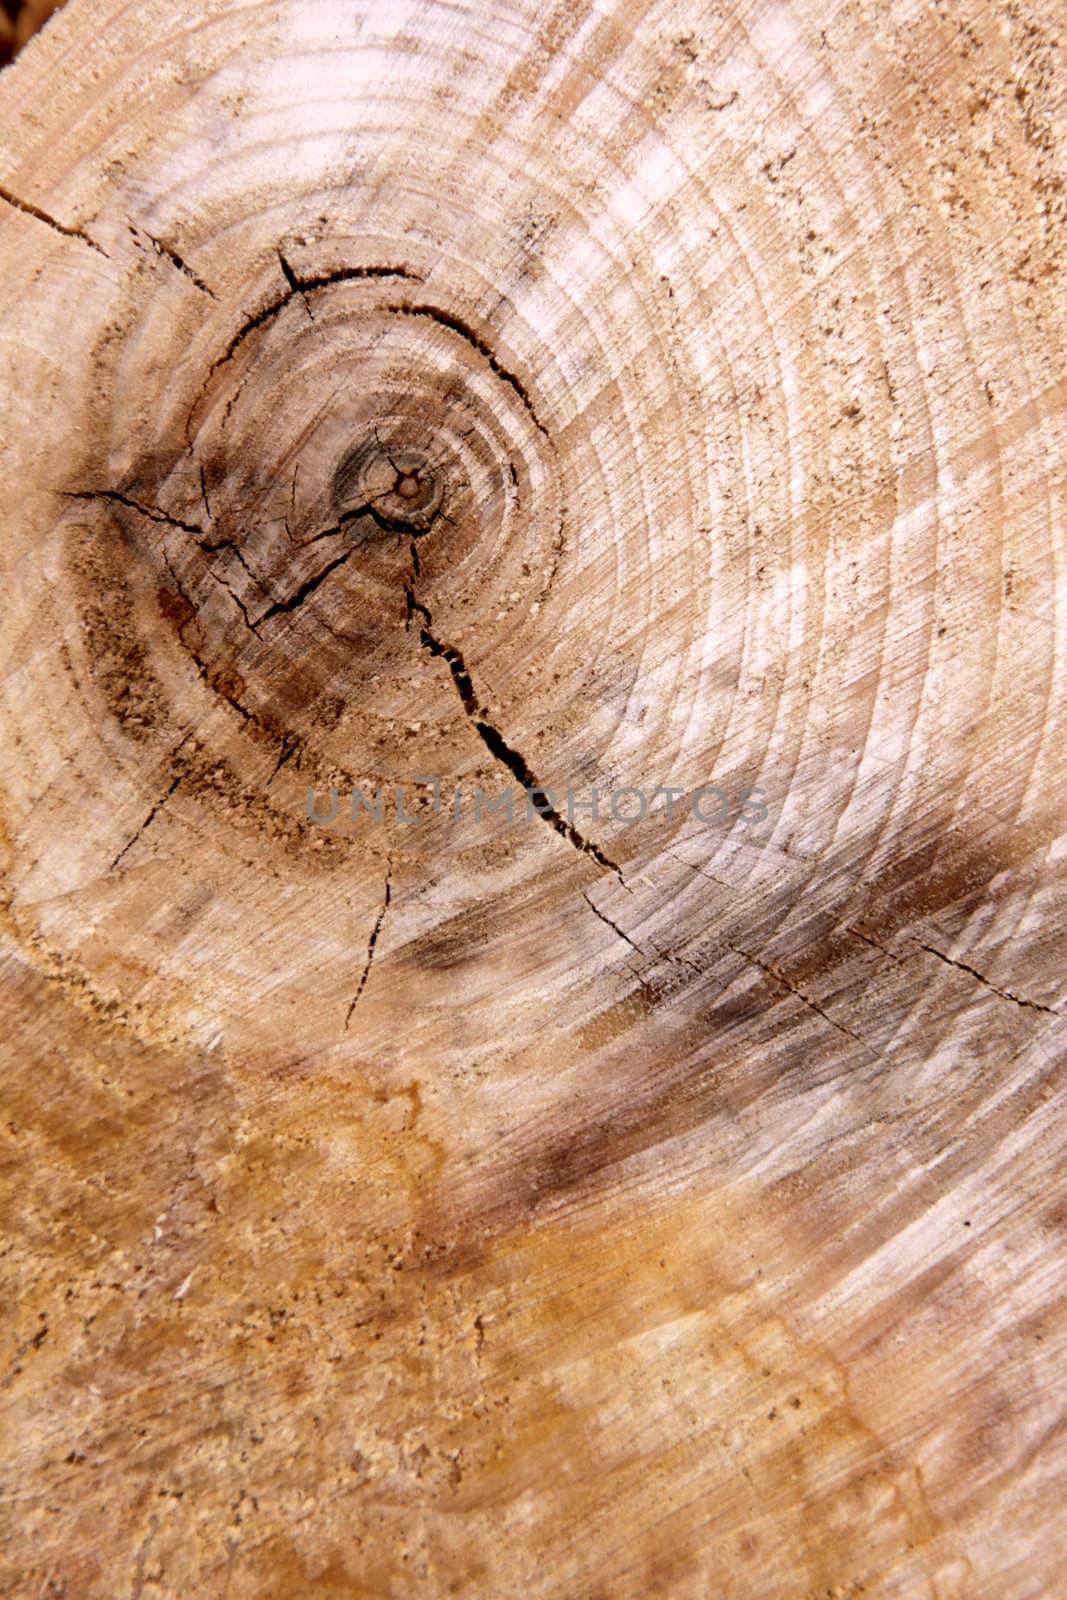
{"points": [[449, 1209], [19, 22]]}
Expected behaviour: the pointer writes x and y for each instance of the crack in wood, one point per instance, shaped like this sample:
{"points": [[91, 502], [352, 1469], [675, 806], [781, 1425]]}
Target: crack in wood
{"points": [[153, 513], [153, 813], [295, 284], [497, 745], [371, 943], [780, 978], [30, 210], [446, 319], [1005, 994], [171, 255], [625, 937]]}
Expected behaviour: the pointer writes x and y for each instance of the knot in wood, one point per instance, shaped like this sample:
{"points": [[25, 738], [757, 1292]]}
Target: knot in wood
{"points": [[398, 486]]}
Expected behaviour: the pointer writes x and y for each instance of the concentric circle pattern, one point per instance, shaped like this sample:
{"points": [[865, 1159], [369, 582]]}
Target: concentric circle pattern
{"points": [[533, 798]]}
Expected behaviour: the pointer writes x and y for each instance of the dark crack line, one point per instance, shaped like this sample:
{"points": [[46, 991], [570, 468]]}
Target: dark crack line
{"points": [[289, 749], [773, 972], [153, 513], [700, 871], [676, 961], [657, 952], [625, 937], [498, 746], [455, 324], [368, 509], [298, 285], [353, 275], [384, 449], [30, 210], [431, 467], [415, 607], [151, 815], [175, 260], [1005, 994], [248, 327], [201, 666], [295, 286], [371, 942], [308, 588], [253, 627], [333, 531], [210, 547], [230, 544], [874, 944]]}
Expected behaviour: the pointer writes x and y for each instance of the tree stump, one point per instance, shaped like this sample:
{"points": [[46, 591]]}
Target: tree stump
{"points": [[410, 406]]}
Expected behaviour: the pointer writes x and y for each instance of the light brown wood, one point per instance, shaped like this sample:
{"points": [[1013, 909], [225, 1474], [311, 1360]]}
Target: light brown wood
{"points": [[20, 21], [630, 396]]}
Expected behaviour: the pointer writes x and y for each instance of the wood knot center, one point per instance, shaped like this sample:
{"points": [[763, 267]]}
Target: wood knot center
{"points": [[396, 486]]}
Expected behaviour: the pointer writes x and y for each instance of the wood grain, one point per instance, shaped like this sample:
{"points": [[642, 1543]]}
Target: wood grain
{"points": [[639, 394]]}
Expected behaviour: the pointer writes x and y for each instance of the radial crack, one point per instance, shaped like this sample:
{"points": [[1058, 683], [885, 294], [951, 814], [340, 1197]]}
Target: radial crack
{"points": [[304, 590], [160, 803], [1005, 994], [498, 746], [780, 978], [371, 942], [30, 210], [857, 933], [213, 680], [625, 937], [153, 513], [290, 747], [294, 283], [253, 627], [657, 952], [175, 260]]}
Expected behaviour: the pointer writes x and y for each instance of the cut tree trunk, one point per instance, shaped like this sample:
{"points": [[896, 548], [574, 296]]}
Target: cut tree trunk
{"points": [[535, 399]]}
